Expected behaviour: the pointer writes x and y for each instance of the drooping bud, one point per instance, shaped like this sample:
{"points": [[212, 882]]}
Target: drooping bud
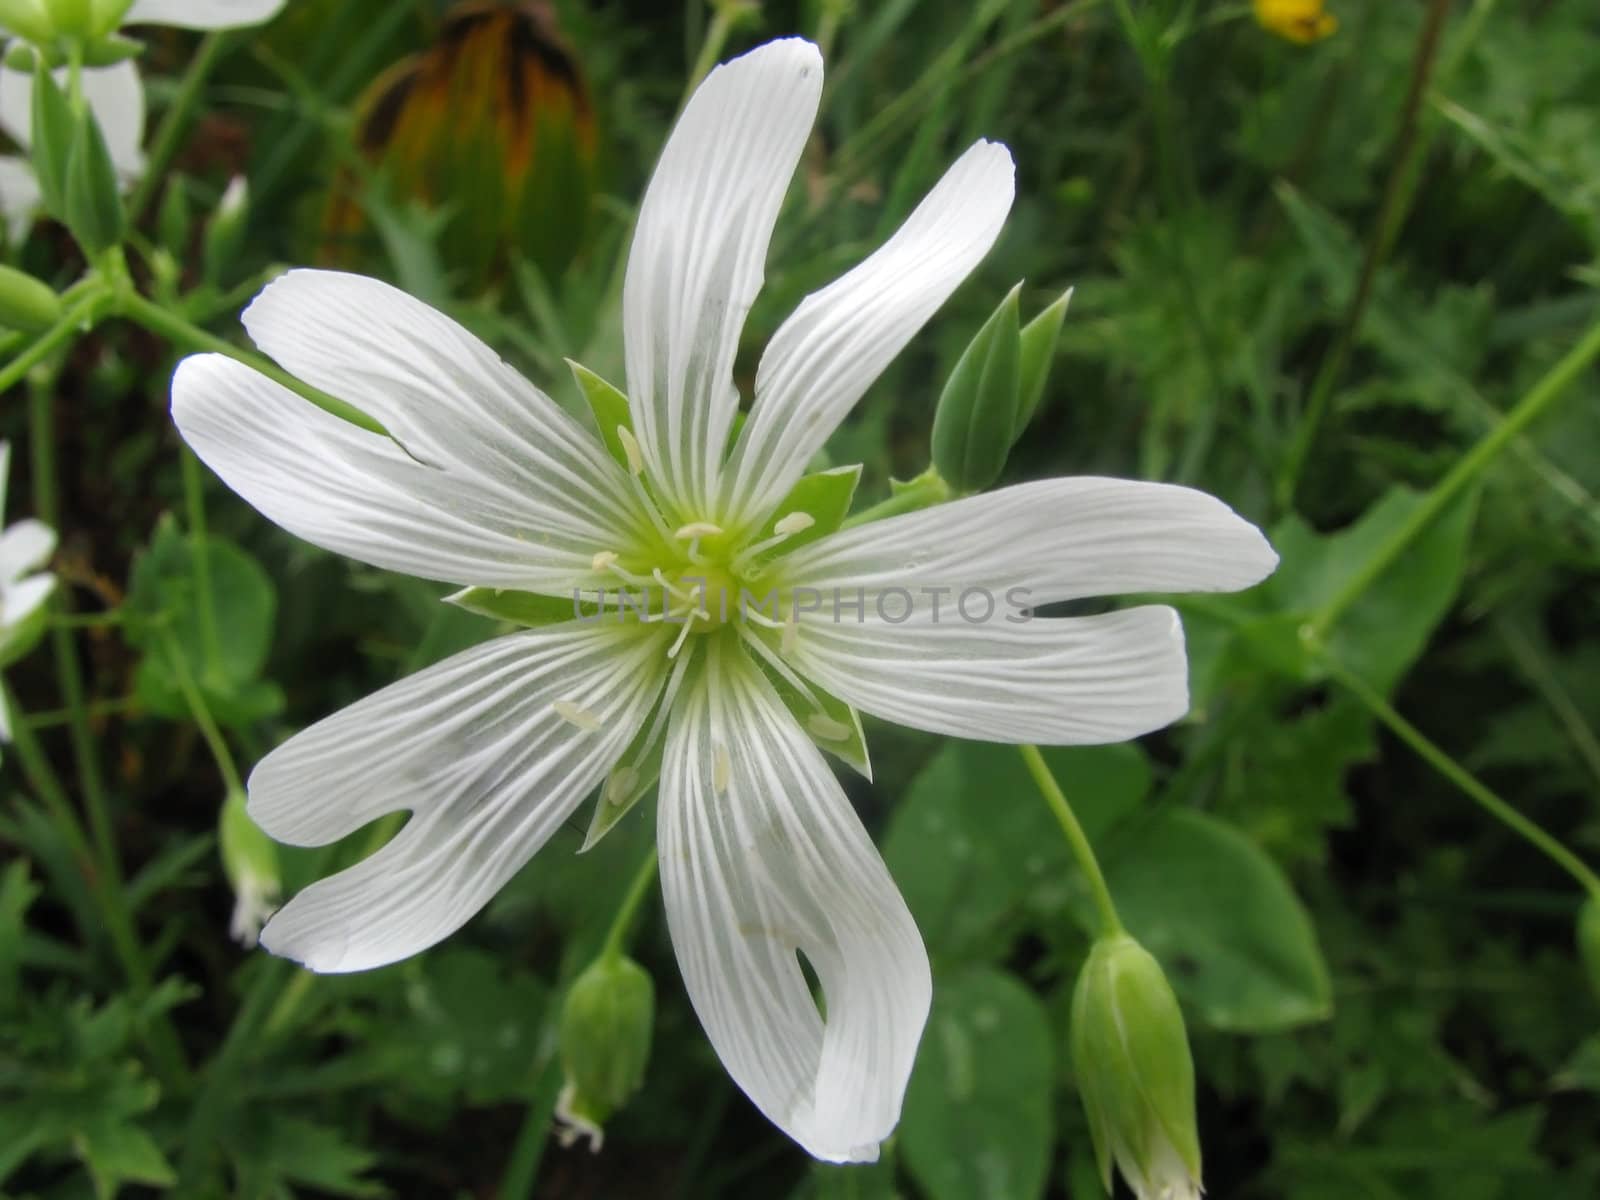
{"points": [[250, 860], [226, 231], [606, 1024], [26, 303], [1130, 1053], [1589, 941]]}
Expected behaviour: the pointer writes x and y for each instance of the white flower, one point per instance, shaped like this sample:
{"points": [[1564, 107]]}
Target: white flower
{"points": [[24, 547], [488, 483], [114, 94]]}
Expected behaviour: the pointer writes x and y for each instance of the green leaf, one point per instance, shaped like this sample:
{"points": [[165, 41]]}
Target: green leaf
{"points": [[17, 893], [978, 1120], [519, 608], [52, 142], [166, 621], [1234, 939], [973, 846], [825, 497], [117, 1154], [1384, 631], [609, 407], [977, 418], [93, 195]]}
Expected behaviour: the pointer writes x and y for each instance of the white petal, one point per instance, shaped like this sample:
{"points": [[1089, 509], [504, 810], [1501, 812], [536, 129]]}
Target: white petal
{"points": [[698, 255], [115, 96], [761, 857], [1058, 681], [23, 547], [1059, 539], [357, 493], [840, 339], [475, 749], [448, 398], [22, 598], [19, 197], [202, 14]]}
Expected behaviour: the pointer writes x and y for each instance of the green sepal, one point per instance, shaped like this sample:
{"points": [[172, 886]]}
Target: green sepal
{"points": [[52, 142], [174, 219], [219, 246], [626, 784], [1037, 348], [75, 18], [27, 19], [825, 497], [851, 750], [110, 49], [106, 15], [609, 406], [978, 410], [530, 609], [93, 197], [26, 303]]}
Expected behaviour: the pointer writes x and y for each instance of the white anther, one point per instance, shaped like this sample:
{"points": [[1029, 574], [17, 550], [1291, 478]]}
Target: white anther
{"points": [[697, 529], [620, 785], [575, 714], [826, 728], [721, 769], [603, 561], [630, 448], [795, 522], [683, 636], [791, 635]]}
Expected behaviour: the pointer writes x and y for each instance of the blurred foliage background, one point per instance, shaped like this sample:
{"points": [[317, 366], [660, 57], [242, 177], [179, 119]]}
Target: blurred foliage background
{"points": [[1315, 265]]}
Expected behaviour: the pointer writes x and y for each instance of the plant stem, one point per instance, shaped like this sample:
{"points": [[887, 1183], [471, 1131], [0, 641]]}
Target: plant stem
{"points": [[1110, 923], [194, 495], [78, 319], [201, 712], [41, 776], [924, 491], [175, 329], [1471, 464], [1464, 779], [643, 877], [174, 123], [1392, 210], [522, 1171]]}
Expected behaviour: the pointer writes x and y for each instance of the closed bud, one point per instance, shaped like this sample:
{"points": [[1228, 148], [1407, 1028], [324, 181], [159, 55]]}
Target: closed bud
{"points": [[27, 19], [978, 410], [226, 231], [605, 1044], [1589, 940], [26, 303], [1130, 1053], [51, 139], [93, 199], [106, 15], [71, 17], [250, 860]]}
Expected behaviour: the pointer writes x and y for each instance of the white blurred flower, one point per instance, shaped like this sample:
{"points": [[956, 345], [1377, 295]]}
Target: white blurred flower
{"points": [[487, 482], [24, 547], [114, 94]]}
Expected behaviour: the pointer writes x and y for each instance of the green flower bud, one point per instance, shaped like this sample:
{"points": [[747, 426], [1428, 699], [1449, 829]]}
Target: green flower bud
{"points": [[605, 1044], [1589, 940], [978, 409], [225, 232], [250, 860], [52, 141], [26, 303], [93, 196], [1131, 1055], [27, 19], [71, 17], [106, 15]]}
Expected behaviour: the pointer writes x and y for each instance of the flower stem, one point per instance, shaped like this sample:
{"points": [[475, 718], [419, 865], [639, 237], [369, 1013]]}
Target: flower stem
{"points": [[1463, 779], [522, 1171], [181, 332], [1471, 464], [1392, 209], [174, 123], [194, 496], [201, 712], [1110, 923], [78, 319], [643, 877]]}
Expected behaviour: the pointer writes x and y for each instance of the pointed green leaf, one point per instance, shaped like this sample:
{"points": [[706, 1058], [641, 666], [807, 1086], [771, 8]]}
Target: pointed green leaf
{"points": [[529, 609], [93, 196], [609, 406], [1038, 351], [974, 424], [52, 142], [836, 727]]}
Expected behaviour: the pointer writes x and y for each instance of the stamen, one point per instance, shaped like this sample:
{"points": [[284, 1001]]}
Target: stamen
{"points": [[574, 714], [603, 561], [795, 522], [630, 448], [683, 636], [721, 769], [782, 531], [673, 589], [780, 668], [698, 529], [826, 728], [620, 784]]}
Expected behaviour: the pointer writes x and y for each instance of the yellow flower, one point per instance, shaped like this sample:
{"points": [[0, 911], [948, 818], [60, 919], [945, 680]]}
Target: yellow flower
{"points": [[1302, 21]]}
